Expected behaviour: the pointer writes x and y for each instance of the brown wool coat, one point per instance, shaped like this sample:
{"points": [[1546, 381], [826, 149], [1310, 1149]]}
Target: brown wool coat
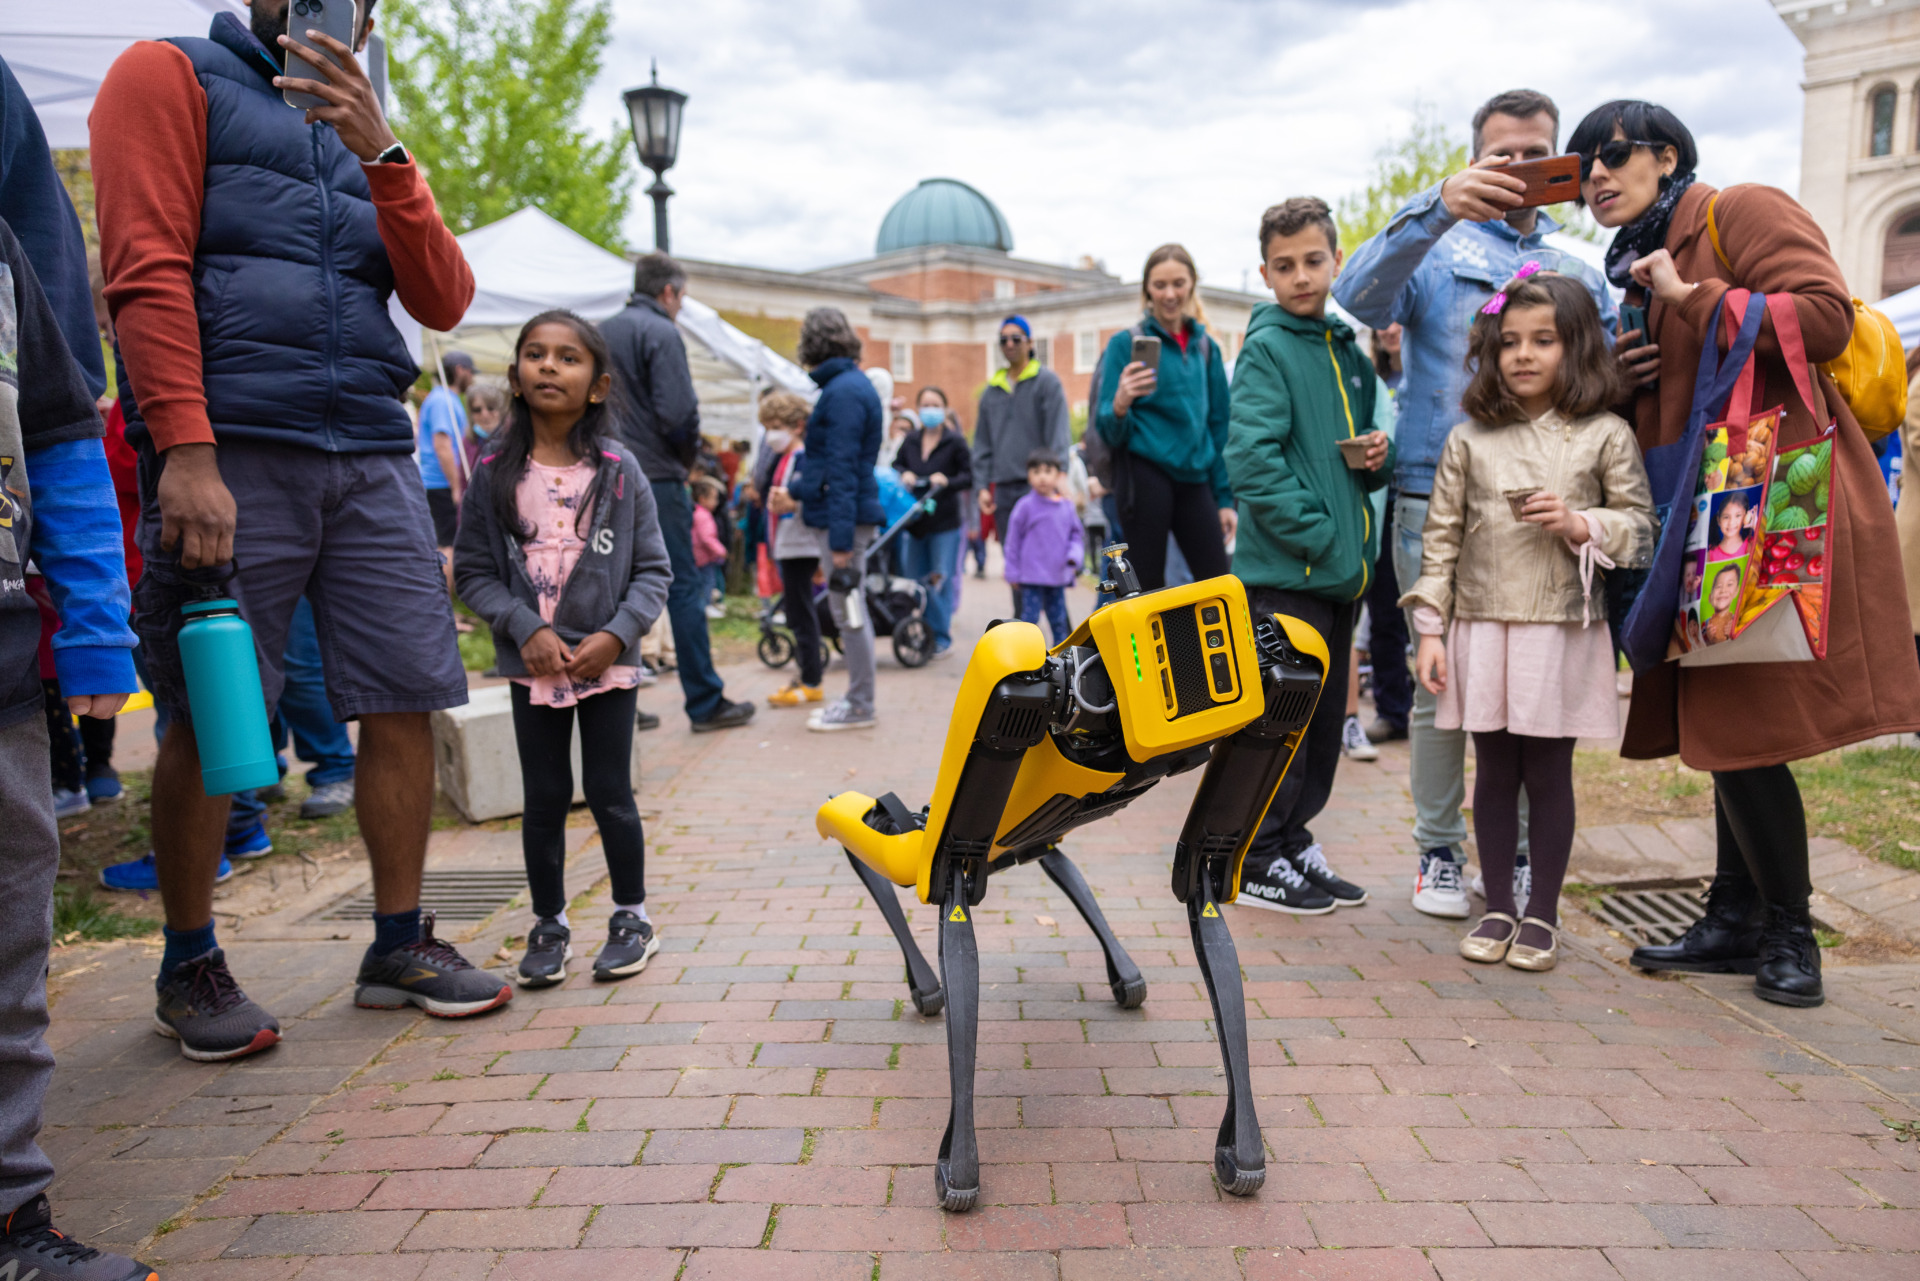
{"points": [[1753, 714]]}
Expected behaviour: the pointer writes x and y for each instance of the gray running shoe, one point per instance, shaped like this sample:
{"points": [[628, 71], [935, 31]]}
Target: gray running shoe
{"points": [[549, 948], [203, 1008], [430, 974], [631, 943], [33, 1251], [328, 799]]}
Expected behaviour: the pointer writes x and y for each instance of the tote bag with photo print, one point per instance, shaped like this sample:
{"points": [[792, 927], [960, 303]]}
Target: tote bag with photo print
{"points": [[1754, 571], [1673, 471]]}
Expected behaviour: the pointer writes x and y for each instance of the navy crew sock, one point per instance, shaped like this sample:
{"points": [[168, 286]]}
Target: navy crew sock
{"points": [[396, 930], [183, 946]]}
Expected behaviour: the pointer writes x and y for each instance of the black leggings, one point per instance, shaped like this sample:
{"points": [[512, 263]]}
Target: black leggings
{"points": [[1162, 506], [1761, 830], [1502, 763], [796, 586], [545, 739]]}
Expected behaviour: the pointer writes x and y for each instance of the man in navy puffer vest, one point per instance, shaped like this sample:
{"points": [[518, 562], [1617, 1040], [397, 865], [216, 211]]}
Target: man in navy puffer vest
{"points": [[250, 251]]}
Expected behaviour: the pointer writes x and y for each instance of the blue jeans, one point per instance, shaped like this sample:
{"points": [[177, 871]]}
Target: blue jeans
{"points": [[318, 739], [686, 603], [1053, 600], [931, 559]]}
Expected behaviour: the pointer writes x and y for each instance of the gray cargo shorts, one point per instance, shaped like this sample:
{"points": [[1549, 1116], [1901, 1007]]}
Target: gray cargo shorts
{"points": [[348, 531]]}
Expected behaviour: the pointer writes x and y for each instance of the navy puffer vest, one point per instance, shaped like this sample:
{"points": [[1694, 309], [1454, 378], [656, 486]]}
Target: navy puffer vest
{"points": [[290, 278]]}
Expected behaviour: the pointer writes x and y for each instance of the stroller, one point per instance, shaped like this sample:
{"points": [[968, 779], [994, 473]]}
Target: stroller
{"points": [[896, 606]]}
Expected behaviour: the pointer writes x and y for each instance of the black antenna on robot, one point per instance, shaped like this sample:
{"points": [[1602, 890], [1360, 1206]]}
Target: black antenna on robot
{"points": [[1121, 581]]}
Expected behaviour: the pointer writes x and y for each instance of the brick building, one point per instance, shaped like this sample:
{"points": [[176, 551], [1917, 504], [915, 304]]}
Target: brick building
{"points": [[929, 302]]}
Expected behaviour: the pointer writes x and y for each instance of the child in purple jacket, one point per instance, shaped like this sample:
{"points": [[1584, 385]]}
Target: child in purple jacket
{"points": [[1044, 545]]}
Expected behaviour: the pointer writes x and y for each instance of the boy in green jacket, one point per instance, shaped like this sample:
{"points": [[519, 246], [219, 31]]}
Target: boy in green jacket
{"points": [[1307, 537]]}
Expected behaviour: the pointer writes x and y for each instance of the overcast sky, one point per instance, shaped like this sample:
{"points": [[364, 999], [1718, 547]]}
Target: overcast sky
{"points": [[1106, 127]]}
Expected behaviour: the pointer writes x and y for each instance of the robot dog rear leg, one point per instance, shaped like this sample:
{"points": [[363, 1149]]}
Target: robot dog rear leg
{"points": [[922, 985], [956, 1173], [1123, 976]]}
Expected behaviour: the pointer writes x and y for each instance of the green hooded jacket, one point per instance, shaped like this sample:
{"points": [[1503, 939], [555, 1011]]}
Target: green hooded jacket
{"points": [[1300, 385], [1181, 426]]}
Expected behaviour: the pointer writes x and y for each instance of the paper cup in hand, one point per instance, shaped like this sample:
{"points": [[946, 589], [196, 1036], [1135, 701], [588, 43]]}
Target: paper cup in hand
{"points": [[1517, 499], [1354, 450]]}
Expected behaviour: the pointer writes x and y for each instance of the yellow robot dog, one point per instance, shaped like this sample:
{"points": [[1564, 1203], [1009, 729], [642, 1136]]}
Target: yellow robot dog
{"points": [[1151, 685]]}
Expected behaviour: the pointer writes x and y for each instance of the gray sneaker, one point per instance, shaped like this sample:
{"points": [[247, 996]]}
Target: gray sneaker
{"points": [[431, 974], [328, 799], [631, 943], [839, 716], [202, 1007], [549, 948]]}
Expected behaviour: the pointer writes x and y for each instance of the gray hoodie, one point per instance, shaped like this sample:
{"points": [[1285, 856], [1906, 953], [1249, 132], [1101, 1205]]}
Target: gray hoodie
{"points": [[619, 584], [1013, 423]]}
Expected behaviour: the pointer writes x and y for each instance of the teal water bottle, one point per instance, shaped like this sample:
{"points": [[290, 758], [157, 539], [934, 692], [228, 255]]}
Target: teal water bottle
{"points": [[223, 691]]}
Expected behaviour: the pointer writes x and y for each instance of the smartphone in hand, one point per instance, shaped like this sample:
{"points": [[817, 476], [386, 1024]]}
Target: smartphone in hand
{"points": [[1146, 351], [1549, 180], [337, 18], [1632, 318]]}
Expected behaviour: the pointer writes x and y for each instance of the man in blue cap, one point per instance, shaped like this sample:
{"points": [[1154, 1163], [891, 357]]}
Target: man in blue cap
{"points": [[1023, 408]]}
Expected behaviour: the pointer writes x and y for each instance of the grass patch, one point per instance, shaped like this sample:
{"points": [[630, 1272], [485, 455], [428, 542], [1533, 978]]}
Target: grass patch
{"points": [[80, 917], [476, 646], [1868, 797]]}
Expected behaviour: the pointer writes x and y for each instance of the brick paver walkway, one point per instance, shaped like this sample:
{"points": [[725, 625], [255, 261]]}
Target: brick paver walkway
{"points": [[763, 1102]]}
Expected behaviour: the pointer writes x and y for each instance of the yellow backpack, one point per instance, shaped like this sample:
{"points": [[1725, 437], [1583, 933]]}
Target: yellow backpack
{"points": [[1871, 374]]}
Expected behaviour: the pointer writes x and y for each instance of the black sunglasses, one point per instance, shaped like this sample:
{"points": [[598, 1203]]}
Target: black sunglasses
{"points": [[1012, 340], [1613, 153]]}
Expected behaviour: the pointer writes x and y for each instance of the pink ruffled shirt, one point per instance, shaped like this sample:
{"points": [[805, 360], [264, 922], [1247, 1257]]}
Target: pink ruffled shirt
{"points": [[550, 500]]}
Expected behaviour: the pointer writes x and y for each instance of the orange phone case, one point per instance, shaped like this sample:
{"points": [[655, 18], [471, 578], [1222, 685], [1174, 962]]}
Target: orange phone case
{"points": [[1549, 181]]}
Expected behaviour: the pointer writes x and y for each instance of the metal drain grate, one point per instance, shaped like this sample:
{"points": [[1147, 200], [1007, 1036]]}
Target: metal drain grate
{"points": [[1652, 916], [452, 895]]}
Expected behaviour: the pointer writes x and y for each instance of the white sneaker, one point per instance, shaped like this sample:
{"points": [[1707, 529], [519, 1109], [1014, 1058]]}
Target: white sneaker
{"points": [[716, 611], [1522, 884], [1354, 742], [1437, 890], [838, 716]]}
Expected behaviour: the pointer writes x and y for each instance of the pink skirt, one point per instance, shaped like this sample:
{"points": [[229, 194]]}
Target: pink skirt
{"points": [[1545, 680]]}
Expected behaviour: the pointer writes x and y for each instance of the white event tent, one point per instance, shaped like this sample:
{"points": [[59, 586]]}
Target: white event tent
{"points": [[529, 262]]}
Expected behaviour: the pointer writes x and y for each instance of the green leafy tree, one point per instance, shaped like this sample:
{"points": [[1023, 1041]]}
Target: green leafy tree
{"points": [[1427, 154], [1401, 170], [487, 95]]}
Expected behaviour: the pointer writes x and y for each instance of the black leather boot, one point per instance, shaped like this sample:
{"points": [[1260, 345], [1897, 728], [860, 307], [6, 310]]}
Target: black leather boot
{"points": [[1789, 972], [1724, 941]]}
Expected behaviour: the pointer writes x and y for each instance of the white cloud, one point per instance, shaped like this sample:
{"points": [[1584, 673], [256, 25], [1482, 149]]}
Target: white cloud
{"points": [[1107, 128]]}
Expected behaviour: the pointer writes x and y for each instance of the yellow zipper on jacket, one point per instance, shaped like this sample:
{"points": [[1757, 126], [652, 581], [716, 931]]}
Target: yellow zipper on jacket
{"points": [[1366, 508]]}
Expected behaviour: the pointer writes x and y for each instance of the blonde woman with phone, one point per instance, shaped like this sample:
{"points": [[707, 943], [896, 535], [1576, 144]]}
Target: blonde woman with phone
{"points": [[1162, 408]]}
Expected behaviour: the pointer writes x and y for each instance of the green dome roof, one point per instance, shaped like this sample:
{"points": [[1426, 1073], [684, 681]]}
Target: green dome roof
{"points": [[943, 211]]}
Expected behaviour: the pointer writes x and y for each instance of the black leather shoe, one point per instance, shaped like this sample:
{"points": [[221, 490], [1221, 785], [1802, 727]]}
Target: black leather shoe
{"points": [[730, 716], [645, 720], [1724, 941], [1789, 972]]}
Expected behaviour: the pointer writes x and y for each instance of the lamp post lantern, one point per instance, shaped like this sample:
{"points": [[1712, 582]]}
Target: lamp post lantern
{"points": [[655, 113]]}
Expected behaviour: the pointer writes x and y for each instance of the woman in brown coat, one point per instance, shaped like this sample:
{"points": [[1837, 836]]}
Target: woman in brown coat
{"points": [[1744, 722]]}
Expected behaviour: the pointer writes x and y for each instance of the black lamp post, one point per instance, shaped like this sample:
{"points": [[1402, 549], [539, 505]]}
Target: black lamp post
{"points": [[656, 133]]}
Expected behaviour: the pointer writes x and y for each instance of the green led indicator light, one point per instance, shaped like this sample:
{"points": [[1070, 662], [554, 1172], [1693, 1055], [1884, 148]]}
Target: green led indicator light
{"points": [[1134, 641]]}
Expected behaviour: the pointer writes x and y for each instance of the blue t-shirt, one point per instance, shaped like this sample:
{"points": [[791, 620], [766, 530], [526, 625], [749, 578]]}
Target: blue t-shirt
{"points": [[440, 414]]}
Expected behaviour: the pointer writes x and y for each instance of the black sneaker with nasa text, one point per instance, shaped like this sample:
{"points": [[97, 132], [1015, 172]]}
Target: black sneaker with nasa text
{"points": [[1278, 887], [1311, 863], [32, 1250], [430, 974]]}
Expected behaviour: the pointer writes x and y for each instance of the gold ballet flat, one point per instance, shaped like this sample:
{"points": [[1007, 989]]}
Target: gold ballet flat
{"points": [[1485, 950], [1522, 957]]}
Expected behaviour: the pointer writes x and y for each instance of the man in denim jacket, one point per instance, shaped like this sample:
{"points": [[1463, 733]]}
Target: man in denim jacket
{"points": [[1431, 270]]}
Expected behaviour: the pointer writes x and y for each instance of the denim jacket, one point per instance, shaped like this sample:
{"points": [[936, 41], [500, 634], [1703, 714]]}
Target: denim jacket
{"points": [[1431, 273]]}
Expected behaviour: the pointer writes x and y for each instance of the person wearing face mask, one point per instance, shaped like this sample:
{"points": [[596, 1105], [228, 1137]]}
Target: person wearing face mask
{"points": [[935, 461], [1637, 166], [486, 404]]}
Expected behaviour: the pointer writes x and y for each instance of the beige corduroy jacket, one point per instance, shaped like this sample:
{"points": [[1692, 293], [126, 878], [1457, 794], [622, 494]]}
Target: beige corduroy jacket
{"points": [[1478, 560]]}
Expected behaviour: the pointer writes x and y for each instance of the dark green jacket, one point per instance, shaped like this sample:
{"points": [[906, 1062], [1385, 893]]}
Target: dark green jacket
{"points": [[1300, 385], [1182, 427]]}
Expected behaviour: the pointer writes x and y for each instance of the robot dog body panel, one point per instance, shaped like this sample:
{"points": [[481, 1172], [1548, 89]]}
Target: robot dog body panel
{"points": [[1150, 685]]}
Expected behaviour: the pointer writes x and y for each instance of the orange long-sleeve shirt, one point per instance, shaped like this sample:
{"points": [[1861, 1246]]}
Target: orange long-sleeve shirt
{"points": [[149, 139]]}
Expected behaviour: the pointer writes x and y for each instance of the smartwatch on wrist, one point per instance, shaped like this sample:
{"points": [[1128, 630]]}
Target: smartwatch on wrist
{"points": [[394, 155]]}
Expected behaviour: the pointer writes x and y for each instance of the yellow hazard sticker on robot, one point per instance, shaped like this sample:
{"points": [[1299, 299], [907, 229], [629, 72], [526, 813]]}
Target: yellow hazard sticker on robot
{"points": [[957, 914], [1209, 910]]}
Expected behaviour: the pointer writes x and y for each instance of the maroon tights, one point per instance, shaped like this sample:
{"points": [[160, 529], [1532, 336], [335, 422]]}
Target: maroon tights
{"points": [[1503, 763]]}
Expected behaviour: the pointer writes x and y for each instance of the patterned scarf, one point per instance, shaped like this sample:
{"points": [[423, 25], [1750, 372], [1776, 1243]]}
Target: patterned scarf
{"points": [[1644, 234]]}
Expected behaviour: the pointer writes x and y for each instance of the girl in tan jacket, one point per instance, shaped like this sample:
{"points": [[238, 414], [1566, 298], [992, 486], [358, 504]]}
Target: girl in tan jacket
{"points": [[1539, 488]]}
